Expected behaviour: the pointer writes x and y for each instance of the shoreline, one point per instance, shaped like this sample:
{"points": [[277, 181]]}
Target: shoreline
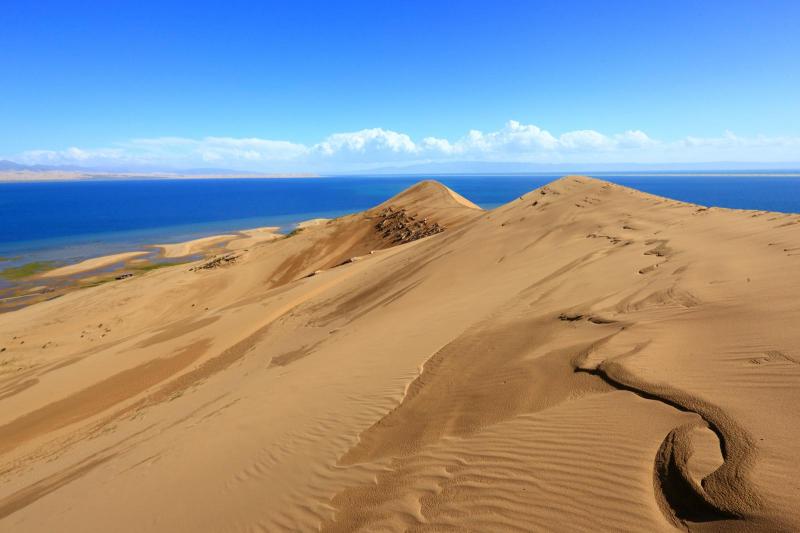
{"points": [[88, 265], [90, 258], [583, 322], [69, 249], [27, 176], [35, 281], [18, 177]]}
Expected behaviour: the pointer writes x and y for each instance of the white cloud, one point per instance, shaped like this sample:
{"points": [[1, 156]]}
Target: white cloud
{"points": [[367, 141], [521, 141], [514, 142], [179, 149], [634, 139], [438, 145], [514, 138], [72, 155]]}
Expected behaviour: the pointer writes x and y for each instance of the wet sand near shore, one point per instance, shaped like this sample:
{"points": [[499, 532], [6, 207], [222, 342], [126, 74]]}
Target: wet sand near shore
{"points": [[55, 282]]}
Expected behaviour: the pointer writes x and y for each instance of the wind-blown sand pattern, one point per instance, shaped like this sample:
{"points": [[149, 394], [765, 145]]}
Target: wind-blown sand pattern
{"points": [[587, 357]]}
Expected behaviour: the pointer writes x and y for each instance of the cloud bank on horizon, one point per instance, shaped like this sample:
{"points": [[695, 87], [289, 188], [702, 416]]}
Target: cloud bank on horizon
{"points": [[376, 147]]}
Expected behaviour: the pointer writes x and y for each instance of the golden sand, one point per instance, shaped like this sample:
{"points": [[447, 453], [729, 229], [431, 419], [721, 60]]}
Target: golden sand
{"points": [[585, 358]]}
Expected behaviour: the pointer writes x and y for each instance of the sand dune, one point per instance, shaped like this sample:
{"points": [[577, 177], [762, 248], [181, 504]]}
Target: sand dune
{"points": [[587, 357], [91, 264], [182, 249], [233, 241]]}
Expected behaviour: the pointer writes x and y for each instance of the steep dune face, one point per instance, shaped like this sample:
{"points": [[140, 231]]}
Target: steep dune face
{"points": [[406, 217], [586, 357]]}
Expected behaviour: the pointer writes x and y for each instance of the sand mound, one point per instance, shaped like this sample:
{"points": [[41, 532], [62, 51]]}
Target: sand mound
{"points": [[183, 249], [587, 357], [432, 199], [91, 264]]}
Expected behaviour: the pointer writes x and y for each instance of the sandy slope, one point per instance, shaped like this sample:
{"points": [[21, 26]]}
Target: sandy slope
{"points": [[182, 249], [234, 241], [587, 357]]}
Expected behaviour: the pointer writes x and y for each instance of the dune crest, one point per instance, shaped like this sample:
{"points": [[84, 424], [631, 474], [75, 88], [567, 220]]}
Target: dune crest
{"points": [[586, 357]]}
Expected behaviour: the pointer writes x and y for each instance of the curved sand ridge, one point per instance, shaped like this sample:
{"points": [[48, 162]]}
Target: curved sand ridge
{"points": [[241, 240], [183, 249], [88, 265], [234, 241], [238, 241], [587, 357]]}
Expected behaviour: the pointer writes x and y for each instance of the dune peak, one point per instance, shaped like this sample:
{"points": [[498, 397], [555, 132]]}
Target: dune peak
{"points": [[430, 193], [616, 345]]}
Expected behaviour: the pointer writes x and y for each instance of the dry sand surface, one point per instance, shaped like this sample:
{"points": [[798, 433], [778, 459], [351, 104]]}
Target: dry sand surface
{"points": [[235, 241], [91, 264], [182, 249], [585, 358], [312, 222], [252, 237]]}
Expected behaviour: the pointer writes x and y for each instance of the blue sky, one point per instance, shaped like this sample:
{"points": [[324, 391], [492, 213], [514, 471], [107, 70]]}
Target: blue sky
{"points": [[340, 85]]}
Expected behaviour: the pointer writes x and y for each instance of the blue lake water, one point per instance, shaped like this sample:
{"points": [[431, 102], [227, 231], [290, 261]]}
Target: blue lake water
{"points": [[69, 221]]}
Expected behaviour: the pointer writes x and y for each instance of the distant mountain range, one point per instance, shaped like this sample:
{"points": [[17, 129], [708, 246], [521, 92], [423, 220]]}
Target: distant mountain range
{"points": [[11, 166], [432, 168], [483, 167], [6, 166]]}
